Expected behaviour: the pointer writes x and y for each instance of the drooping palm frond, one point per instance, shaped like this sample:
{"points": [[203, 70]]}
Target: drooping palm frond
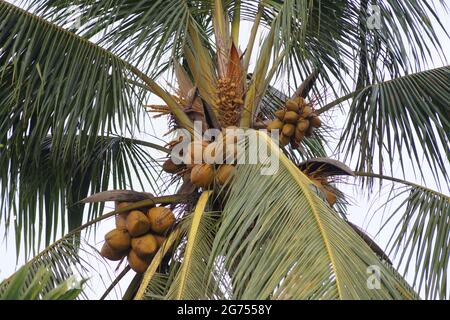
{"points": [[284, 242], [25, 285], [45, 197], [405, 117], [420, 237]]}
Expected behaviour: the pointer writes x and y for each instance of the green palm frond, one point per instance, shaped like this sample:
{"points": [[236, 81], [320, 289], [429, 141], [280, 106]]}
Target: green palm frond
{"points": [[419, 237], [47, 195], [400, 118], [27, 285], [283, 242]]}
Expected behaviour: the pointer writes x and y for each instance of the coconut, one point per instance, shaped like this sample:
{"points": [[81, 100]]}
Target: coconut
{"points": [[111, 254], [225, 172], [202, 175], [303, 125], [280, 114], [170, 167], [291, 105], [307, 112], [160, 219], [288, 129], [145, 245], [121, 205], [291, 117], [315, 121], [276, 124], [300, 101], [137, 223], [118, 239], [137, 263], [284, 140]]}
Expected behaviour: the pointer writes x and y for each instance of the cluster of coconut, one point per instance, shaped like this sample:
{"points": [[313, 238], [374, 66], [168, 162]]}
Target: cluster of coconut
{"points": [[203, 173], [138, 235], [295, 121]]}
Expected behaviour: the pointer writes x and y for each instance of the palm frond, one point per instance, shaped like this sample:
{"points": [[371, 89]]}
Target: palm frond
{"points": [[26, 285], [420, 236], [190, 280], [406, 116], [45, 197]]}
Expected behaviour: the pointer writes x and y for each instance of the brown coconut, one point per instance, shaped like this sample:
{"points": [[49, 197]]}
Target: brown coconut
{"points": [[288, 129], [118, 239], [161, 219], [202, 175], [225, 172], [291, 117], [170, 167], [137, 223], [291, 105], [111, 254], [280, 114], [302, 125], [315, 121], [276, 124], [145, 245], [138, 264]]}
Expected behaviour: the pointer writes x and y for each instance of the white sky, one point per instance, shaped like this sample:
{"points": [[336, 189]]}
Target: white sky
{"points": [[360, 212]]}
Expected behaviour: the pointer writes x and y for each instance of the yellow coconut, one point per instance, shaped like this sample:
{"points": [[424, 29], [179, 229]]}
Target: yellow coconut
{"points": [[291, 105], [280, 114], [288, 129], [276, 124], [111, 254], [137, 263], [137, 223], [160, 219], [225, 172], [202, 175], [145, 245], [291, 117], [118, 239]]}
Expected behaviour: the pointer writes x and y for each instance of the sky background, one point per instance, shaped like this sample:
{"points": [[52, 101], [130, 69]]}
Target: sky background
{"points": [[362, 211]]}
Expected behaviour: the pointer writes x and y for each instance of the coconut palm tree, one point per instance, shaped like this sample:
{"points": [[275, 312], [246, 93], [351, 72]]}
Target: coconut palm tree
{"points": [[76, 78]]}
